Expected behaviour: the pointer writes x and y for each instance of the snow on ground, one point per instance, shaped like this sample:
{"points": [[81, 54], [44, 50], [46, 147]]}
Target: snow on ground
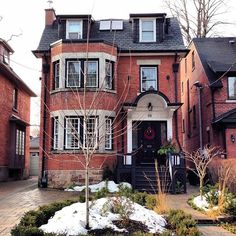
{"points": [[71, 219], [111, 185], [201, 202]]}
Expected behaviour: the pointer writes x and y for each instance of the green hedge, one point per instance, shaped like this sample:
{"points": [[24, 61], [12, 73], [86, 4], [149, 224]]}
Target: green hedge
{"points": [[31, 220]]}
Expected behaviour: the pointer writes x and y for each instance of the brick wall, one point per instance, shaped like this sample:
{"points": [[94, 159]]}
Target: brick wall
{"points": [[23, 112]]}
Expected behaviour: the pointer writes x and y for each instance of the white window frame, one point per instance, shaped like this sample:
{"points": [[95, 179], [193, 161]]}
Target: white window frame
{"points": [[141, 76], [67, 74], [86, 73], [56, 74], [93, 134], [20, 142], [108, 133], [73, 132], [234, 81], [80, 33], [55, 133], [141, 30], [108, 75]]}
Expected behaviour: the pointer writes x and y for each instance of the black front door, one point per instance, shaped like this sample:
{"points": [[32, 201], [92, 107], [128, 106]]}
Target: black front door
{"points": [[150, 137]]}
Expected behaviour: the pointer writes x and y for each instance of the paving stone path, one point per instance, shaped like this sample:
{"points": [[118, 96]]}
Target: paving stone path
{"points": [[18, 197]]}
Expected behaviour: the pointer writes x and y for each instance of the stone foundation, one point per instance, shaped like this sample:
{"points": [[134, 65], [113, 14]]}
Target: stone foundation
{"points": [[4, 174], [64, 178]]}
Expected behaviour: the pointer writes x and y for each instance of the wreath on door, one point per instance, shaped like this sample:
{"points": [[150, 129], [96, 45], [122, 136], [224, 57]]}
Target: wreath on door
{"points": [[149, 133]]}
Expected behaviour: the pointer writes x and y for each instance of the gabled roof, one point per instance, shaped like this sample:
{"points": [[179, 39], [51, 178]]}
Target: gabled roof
{"points": [[123, 39], [12, 76], [218, 55]]}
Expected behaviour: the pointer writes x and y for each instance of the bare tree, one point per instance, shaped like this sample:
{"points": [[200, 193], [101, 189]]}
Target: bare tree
{"points": [[201, 158], [198, 18]]}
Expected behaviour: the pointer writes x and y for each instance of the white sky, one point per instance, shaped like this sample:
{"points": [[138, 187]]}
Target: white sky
{"points": [[27, 17]]}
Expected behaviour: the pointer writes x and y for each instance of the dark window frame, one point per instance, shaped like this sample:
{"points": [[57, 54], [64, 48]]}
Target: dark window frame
{"points": [[141, 77], [111, 76]]}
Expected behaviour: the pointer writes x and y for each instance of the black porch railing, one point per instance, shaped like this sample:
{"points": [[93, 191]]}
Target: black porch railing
{"points": [[139, 176]]}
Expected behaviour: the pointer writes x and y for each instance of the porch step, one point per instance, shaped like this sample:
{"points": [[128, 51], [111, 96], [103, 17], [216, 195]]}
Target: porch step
{"points": [[146, 179]]}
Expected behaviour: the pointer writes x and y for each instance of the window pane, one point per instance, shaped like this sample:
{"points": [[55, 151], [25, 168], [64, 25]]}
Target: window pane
{"points": [[108, 79], [90, 133], [72, 133], [149, 78], [56, 74], [232, 87], [73, 73], [108, 134], [147, 25], [91, 70], [147, 36], [74, 30], [56, 133]]}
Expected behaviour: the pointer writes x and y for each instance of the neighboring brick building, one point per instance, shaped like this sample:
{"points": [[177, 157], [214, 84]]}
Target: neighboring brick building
{"points": [[133, 66], [209, 72], [14, 119]]}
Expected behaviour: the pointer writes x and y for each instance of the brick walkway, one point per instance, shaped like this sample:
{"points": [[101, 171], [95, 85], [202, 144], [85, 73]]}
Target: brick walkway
{"points": [[18, 197]]}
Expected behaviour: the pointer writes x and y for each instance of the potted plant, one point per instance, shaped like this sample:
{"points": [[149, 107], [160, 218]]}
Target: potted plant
{"points": [[167, 146]]}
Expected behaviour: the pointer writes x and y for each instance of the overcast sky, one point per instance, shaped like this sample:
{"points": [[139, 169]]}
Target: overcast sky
{"points": [[26, 17]]}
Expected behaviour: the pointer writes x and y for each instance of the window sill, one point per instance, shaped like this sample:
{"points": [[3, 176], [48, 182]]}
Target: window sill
{"points": [[230, 101], [59, 90], [81, 152]]}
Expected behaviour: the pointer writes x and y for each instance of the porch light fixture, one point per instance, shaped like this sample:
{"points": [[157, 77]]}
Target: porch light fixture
{"points": [[232, 137], [150, 106]]}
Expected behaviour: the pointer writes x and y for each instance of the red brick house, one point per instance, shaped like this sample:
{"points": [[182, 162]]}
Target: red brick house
{"points": [[208, 82], [14, 116], [133, 66]]}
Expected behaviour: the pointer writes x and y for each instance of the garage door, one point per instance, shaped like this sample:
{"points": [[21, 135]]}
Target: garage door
{"points": [[34, 163]]}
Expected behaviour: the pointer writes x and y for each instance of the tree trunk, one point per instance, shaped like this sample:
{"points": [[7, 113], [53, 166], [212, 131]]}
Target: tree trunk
{"points": [[87, 195], [201, 186]]}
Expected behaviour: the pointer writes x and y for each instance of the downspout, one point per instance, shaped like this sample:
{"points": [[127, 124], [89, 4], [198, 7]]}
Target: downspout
{"points": [[44, 182], [213, 103], [175, 68]]}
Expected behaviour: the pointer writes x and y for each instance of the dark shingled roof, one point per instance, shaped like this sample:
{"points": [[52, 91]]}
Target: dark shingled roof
{"points": [[218, 55], [122, 38]]}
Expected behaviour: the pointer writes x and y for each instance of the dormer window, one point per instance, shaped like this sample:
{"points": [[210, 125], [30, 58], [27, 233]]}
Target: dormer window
{"points": [[74, 29], [147, 30]]}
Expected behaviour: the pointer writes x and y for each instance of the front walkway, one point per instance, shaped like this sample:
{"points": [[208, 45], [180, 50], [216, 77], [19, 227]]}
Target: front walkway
{"points": [[18, 197], [179, 201]]}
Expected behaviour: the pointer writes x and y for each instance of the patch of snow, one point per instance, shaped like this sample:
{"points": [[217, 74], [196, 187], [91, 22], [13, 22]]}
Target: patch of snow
{"points": [[111, 185], [71, 219], [201, 202]]}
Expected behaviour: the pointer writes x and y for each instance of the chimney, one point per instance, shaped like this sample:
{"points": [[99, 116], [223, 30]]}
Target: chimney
{"points": [[50, 16]]}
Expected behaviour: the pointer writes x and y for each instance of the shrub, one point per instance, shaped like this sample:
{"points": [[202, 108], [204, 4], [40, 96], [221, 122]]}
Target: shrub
{"points": [[107, 174], [125, 191], [33, 219], [151, 201], [101, 193], [182, 223], [140, 198]]}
